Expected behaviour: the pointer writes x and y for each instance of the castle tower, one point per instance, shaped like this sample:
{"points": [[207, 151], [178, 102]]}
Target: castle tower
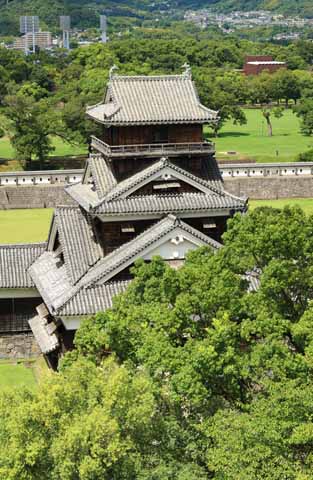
{"points": [[151, 187]]}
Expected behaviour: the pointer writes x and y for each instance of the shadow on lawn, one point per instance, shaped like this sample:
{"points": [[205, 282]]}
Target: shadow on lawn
{"points": [[233, 134]]}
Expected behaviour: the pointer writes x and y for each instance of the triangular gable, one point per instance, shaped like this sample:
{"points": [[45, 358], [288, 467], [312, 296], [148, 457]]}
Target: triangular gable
{"points": [[161, 171], [170, 236]]}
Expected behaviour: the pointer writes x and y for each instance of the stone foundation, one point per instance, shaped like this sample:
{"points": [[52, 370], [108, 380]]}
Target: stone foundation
{"points": [[18, 346], [270, 188], [48, 196]]}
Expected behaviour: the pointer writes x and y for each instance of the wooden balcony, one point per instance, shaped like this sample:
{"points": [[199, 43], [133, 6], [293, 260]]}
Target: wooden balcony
{"points": [[14, 323], [152, 150]]}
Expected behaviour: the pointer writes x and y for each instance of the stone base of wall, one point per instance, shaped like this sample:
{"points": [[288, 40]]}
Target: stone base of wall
{"points": [[48, 196], [270, 188], [17, 346], [266, 188]]}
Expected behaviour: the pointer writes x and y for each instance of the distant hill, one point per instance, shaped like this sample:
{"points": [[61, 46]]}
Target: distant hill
{"points": [[85, 12]]}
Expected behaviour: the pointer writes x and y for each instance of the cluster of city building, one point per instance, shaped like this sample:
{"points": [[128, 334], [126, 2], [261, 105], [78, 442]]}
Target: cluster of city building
{"points": [[251, 19], [32, 37]]}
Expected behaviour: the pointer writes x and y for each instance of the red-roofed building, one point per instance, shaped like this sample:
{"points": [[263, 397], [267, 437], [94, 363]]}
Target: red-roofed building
{"points": [[256, 64]]}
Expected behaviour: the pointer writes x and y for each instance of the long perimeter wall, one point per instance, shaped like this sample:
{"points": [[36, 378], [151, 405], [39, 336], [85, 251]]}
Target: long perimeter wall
{"points": [[256, 181], [269, 181]]}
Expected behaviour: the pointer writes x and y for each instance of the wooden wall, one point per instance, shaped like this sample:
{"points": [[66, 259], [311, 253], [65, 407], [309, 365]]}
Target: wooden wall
{"points": [[112, 237], [153, 134]]}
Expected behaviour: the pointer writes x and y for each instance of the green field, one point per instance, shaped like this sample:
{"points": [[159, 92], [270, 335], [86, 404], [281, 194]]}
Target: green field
{"points": [[16, 375], [251, 141], [19, 373], [23, 226], [62, 149], [305, 203]]}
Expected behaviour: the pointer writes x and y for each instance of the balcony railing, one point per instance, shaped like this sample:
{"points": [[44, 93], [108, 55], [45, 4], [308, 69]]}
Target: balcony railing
{"points": [[16, 323], [151, 149]]}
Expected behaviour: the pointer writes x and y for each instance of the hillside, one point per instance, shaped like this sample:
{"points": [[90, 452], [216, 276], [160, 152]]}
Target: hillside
{"points": [[85, 13]]}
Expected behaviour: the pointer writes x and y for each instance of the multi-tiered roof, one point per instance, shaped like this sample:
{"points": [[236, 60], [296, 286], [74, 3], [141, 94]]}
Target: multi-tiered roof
{"points": [[151, 100], [135, 200]]}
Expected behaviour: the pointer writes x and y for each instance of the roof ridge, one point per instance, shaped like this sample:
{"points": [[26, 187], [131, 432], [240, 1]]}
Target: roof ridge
{"points": [[166, 76], [23, 245]]}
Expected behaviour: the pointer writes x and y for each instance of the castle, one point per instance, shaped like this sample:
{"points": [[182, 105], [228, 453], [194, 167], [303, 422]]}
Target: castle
{"points": [[151, 187]]}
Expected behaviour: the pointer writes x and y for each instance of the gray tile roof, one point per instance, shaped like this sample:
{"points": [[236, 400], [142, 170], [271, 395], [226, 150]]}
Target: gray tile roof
{"points": [[46, 341], [211, 194], [253, 278], [64, 298], [89, 301], [52, 280], [102, 175], [137, 100], [77, 236], [176, 203], [84, 194], [14, 262]]}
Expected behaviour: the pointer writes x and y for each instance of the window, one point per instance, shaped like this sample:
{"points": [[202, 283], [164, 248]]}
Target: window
{"points": [[160, 135]]}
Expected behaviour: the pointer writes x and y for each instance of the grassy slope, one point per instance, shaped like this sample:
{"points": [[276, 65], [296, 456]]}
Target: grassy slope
{"points": [[251, 141], [23, 226], [16, 376], [26, 373]]}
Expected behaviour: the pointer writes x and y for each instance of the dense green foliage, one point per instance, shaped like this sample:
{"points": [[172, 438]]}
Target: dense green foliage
{"points": [[190, 376]]}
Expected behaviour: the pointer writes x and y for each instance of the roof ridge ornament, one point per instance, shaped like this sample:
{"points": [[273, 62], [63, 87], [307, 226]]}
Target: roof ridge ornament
{"points": [[112, 70], [187, 70]]}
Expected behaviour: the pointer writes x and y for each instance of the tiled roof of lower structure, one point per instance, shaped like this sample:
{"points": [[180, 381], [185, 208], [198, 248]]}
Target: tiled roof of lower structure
{"points": [[212, 174], [52, 280], [175, 203], [89, 301], [77, 235], [102, 175], [59, 293], [14, 262], [47, 342]]}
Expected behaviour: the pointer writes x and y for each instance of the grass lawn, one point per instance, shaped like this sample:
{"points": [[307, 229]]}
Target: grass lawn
{"points": [[23, 226], [12, 375], [20, 373], [62, 149], [305, 203], [252, 143]]}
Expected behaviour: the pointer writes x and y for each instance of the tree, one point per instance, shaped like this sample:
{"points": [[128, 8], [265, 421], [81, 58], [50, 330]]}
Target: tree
{"points": [[32, 125], [305, 112], [267, 114], [191, 375]]}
